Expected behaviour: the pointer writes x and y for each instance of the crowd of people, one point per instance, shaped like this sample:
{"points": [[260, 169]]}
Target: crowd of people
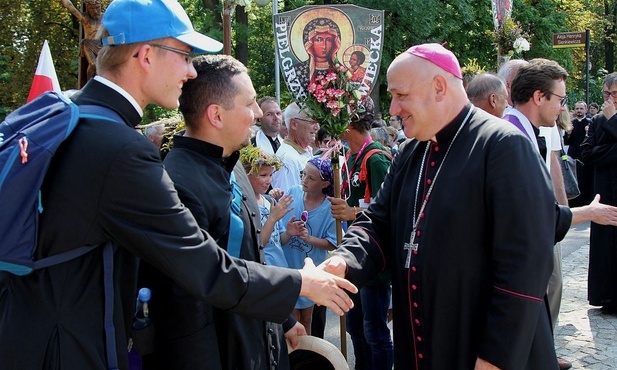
{"points": [[452, 213]]}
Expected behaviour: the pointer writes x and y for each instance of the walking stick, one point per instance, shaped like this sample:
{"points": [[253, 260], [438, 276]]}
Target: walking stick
{"points": [[336, 168]]}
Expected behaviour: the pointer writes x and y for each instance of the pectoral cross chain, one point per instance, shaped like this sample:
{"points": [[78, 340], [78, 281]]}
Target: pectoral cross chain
{"points": [[409, 248]]}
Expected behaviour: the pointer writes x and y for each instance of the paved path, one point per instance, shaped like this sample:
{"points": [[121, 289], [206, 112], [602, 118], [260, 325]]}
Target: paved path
{"points": [[583, 335]]}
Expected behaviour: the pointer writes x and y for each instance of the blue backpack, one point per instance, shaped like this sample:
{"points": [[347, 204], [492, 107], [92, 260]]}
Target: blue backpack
{"points": [[29, 137]]}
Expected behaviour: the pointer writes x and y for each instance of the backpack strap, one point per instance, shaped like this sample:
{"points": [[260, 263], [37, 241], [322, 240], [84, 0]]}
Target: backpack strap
{"points": [[108, 283], [99, 112], [88, 111], [62, 257], [363, 176]]}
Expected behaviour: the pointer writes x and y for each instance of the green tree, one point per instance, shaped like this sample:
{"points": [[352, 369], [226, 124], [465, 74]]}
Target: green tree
{"points": [[24, 26], [465, 25]]}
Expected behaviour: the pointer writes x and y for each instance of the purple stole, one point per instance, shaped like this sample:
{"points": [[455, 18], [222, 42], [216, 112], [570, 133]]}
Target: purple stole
{"points": [[516, 122]]}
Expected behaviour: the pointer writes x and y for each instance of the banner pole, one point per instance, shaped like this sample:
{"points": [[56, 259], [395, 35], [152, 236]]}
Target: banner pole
{"points": [[277, 73]]}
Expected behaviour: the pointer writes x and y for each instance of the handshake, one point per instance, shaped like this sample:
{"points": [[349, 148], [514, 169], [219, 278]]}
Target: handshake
{"points": [[325, 284]]}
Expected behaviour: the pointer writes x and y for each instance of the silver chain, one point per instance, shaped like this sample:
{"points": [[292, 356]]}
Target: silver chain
{"points": [[415, 220]]}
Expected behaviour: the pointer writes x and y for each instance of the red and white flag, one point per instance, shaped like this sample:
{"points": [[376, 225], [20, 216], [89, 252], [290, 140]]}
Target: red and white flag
{"points": [[45, 78]]}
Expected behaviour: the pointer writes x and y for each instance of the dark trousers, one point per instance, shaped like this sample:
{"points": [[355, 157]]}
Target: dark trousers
{"points": [[318, 325], [367, 324]]}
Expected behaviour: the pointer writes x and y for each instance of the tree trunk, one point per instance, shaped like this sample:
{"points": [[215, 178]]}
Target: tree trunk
{"points": [[214, 6], [242, 42], [609, 51]]}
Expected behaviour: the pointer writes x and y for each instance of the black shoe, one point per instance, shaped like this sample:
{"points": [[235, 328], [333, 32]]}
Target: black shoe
{"points": [[609, 309], [563, 364]]}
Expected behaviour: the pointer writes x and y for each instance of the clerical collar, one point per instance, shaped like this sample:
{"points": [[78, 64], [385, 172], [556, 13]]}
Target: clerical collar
{"points": [[207, 150], [444, 137]]}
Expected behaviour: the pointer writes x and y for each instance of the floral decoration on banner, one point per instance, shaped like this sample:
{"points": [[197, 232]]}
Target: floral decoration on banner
{"points": [[511, 39], [333, 100]]}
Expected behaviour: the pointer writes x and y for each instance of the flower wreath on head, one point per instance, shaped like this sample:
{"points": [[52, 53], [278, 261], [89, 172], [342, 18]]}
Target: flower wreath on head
{"points": [[254, 158]]}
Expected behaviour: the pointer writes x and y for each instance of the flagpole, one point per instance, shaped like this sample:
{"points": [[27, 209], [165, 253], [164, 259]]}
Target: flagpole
{"points": [[277, 74]]}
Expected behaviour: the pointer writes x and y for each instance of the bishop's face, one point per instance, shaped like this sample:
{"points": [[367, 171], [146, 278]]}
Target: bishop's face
{"points": [[411, 99]]}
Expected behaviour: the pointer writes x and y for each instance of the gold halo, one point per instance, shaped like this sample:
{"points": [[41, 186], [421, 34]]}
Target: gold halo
{"points": [[340, 18], [356, 47]]}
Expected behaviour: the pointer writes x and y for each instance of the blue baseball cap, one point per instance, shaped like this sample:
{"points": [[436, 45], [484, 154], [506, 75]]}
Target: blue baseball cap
{"points": [[131, 21]]}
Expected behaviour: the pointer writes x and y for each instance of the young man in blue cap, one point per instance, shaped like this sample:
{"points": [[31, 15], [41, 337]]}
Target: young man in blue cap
{"points": [[106, 184]]}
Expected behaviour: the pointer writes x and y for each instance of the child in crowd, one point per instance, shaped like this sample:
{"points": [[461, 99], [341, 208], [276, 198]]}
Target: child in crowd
{"points": [[311, 206], [259, 167]]}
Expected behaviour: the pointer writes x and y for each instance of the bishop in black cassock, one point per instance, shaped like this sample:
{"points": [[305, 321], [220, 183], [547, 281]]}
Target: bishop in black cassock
{"points": [[466, 222]]}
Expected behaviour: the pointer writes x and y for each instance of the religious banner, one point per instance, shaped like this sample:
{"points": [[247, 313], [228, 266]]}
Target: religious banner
{"points": [[502, 10], [310, 41]]}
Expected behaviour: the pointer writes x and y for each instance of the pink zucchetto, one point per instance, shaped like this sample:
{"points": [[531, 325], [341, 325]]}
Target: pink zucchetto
{"points": [[438, 55]]}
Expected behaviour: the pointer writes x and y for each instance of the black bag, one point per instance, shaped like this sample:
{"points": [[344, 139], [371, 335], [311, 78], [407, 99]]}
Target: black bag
{"points": [[568, 169]]}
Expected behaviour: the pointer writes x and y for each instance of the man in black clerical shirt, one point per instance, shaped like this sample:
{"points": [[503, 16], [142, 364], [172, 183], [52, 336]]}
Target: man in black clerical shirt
{"points": [[191, 334], [599, 149], [584, 171]]}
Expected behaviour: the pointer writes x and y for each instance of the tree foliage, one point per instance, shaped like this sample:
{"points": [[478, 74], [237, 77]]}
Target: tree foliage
{"points": [[24, 26], [465, 25]]}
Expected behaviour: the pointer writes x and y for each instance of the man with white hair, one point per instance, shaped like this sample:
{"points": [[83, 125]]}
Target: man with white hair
{"points": [[296, 149], [155, 134], [506, 73]]}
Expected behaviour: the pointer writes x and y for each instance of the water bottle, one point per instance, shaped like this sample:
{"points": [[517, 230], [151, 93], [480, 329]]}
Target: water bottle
{"points": [[142, 335], [142, 313]]}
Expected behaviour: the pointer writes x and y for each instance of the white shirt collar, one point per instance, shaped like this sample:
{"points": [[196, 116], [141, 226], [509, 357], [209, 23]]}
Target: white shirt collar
{"points": [[122, 92]]}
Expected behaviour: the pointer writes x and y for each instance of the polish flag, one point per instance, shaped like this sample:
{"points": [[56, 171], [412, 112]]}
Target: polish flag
{"points": [[45, 78]]}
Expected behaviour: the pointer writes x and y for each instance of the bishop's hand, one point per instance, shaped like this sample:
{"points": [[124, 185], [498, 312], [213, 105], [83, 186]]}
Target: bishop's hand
{"points": [[326, 289], [335, 265]]}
